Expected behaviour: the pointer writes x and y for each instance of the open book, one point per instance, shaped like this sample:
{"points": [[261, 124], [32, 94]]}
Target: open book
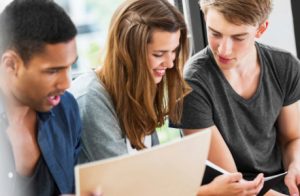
{"points": [[169, 169], [212, 171]]}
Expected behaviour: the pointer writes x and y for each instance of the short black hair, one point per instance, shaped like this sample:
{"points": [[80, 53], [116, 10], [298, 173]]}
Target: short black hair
{"points": [[26, 26]]}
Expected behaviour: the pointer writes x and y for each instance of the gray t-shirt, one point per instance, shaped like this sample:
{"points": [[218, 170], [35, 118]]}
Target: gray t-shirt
{"points": [[102, 136], [247, 126]]}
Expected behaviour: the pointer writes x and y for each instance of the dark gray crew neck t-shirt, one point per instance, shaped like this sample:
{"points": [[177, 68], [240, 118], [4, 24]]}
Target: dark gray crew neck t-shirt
{"points": [[247, 126]]}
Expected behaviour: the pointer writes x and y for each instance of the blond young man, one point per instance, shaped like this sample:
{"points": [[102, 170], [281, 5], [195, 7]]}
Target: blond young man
{"points": [[246, 92]]}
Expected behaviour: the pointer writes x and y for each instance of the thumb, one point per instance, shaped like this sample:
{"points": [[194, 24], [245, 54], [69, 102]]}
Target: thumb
{"points": [[97, 191], [235, 177], [291, 184], [298, 180]]}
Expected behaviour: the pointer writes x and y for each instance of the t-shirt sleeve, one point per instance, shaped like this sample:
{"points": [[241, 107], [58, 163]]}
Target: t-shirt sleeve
{"points": [[291, 80], [102, 135], [197, 107]]}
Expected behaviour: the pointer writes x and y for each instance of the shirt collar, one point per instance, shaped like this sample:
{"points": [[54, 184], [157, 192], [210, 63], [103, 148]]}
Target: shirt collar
{"points": [[44, 116]]}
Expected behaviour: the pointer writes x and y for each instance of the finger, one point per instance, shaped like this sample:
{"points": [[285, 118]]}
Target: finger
{"points": [[260, 186], [97, 192], [248, 193], [290, 181], [260, 182], [251, 192], [252, 185], [298, 184], [257, 188], [234, 177], [298, 180], [259, 179]]}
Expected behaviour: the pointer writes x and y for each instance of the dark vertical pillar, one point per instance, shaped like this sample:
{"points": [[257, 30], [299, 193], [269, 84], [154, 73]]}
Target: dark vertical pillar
{"points": [[296, 18]]}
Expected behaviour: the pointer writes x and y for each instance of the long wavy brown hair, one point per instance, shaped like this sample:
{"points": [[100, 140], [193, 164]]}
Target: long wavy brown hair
{"points": [[142, 105]]}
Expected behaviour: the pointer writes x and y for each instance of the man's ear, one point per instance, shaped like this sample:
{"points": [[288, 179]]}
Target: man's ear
{"points": [[11, 61], [262, 28]]}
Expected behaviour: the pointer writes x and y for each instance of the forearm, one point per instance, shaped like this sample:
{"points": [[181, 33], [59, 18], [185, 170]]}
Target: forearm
{"points": [[289, 138], [205, 190], [291, 154], [291, 160], [219, 152]]}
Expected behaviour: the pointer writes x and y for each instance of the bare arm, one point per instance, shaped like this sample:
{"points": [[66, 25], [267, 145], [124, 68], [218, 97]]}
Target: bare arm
{"points": [[289, 138], [219, 152]]}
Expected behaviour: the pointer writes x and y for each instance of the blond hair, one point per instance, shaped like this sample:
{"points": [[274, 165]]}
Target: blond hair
{"points": [[251, 12]]}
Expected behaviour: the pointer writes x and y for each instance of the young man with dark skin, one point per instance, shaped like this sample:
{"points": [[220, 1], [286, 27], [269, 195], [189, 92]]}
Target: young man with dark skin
{"points": [[246, 92], [39, 122]]}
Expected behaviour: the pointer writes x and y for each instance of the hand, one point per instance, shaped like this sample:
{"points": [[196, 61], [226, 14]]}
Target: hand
{"points": [[292, 179], [274, 193], [85, 194], [96, 192], [232, 184]]}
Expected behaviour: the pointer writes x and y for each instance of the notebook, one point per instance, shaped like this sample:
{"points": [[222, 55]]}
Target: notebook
{"points": [[173, 169]]}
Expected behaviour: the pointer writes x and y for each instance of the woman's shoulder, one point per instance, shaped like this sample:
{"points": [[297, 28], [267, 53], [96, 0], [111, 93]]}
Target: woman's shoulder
{"points": [[88, 84]]}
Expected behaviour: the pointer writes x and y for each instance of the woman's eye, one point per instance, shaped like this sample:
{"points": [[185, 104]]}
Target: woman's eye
{"points": [[157, 55]]}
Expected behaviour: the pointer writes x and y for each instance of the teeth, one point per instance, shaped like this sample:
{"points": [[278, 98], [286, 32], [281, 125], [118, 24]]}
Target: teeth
{"points": [[160, 71]]}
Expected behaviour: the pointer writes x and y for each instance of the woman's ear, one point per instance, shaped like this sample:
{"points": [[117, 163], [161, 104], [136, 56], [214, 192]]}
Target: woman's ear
{"points": [[262, 28]]}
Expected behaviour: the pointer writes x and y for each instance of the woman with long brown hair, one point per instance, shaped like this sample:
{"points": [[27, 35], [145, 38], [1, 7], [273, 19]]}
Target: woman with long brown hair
{"points": [[140, 82]]}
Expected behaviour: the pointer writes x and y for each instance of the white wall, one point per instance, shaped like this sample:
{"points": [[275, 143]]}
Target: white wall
{"points": [[280, 32], [3, 4]]}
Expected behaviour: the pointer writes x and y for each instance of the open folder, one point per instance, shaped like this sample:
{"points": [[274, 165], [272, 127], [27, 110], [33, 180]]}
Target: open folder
{"points": [[173, 169]]}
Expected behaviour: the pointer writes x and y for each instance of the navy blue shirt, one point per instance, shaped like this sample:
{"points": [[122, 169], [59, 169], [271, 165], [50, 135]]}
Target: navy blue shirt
{"points": [[58, 136]]}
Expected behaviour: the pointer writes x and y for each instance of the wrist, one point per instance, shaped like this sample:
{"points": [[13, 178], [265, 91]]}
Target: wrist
{"points": [[205, 190]]}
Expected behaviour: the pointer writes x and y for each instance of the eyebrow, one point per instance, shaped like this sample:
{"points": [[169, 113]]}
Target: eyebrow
{"points": [[235, 35], [164, 51], [76, 59], [71, 63], [63, 66]]}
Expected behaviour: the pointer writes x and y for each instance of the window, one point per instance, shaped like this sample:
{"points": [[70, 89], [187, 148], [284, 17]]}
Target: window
{"points": [[3, 3], [91, 18]]}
